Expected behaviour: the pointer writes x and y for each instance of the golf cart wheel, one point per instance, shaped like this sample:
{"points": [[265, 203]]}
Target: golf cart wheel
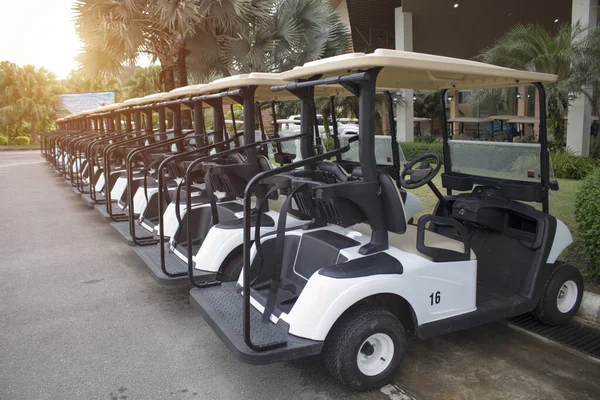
{"points": [[232, 267], [365, 348], [562, 296]]}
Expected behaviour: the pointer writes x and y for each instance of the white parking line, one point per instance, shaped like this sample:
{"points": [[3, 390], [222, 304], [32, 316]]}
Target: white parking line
{"points": [[395, 392]]}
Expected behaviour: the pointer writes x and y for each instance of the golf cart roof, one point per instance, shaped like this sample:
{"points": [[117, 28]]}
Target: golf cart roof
{"points": [[405, 69], [264, 82], [191, 90]]}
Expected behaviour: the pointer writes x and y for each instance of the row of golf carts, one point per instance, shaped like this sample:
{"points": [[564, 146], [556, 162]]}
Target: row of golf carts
{"points": [[294, 250]]}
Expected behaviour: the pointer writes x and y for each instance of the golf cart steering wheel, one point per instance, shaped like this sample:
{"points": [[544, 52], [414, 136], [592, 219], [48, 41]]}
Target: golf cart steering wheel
{"points": [[422, 175]]}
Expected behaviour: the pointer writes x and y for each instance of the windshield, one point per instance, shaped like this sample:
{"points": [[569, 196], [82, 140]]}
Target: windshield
{"points": [[503, 160], [383, 150]]}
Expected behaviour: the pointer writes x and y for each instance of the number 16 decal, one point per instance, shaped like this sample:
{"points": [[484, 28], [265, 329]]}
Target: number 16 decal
{"points": [[435, 298]]}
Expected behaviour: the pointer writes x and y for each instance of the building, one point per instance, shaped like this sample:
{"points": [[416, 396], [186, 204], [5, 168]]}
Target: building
{"points": [[462, 29]]}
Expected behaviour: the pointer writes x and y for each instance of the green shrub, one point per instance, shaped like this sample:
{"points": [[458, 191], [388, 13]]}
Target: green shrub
{"points": [[413, 150], [21, 141], [328, 143], [587, 210], [569, 166], [425, 139], [595, 147], [3, 141]]}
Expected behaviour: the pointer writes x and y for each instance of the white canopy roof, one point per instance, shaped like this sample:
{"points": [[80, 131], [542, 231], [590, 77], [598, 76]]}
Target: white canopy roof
{"points": [[405, 69]]}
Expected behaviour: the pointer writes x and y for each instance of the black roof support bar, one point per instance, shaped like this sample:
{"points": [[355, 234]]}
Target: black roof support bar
{"points": [[356, 77]]}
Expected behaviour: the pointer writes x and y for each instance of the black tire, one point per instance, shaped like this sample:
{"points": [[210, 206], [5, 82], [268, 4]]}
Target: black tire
{"points": [[232, 267], [547, 310], [345, 341]]}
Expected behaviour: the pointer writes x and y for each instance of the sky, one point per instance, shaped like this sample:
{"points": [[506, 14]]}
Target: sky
{"points": [[41, 33]]}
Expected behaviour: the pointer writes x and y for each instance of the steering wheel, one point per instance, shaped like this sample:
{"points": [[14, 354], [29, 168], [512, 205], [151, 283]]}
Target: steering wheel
{"points": [[421, 175]]}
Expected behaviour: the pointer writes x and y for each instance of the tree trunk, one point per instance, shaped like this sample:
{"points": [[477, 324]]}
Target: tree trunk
{"points": [[34, 136], [167, 77], [181, 79]]}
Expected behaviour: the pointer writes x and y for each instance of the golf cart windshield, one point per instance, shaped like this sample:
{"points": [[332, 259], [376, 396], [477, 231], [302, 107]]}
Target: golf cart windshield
{"points": [[383, 150], [502, 160]]}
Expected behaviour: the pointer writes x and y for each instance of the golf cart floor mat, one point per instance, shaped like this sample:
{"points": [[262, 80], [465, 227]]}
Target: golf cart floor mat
{"points": [[150, 255], [223, 308], [88, 199], [101, 208], [575, 335], [123, 228], [75, 189]]}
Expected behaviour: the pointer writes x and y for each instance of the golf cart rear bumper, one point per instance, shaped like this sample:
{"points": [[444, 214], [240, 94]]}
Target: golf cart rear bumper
{"points": [[222, 307]]}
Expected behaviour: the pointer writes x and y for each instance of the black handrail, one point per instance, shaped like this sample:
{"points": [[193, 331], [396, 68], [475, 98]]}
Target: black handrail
{"points": [[247, 226], [189, 195]]}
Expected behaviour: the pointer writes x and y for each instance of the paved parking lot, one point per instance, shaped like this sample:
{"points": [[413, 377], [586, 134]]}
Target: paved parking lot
{"points": [[80, 318]]}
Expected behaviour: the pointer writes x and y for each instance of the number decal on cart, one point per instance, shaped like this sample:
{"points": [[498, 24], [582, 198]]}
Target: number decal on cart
{"points": [[435, 298]]}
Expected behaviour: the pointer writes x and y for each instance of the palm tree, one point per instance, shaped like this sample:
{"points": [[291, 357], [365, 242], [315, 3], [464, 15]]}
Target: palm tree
{"points": [[144, 82], [82, 82], [208, 38], [292, 33], [572, 53], [28, 96], [117, 32]]}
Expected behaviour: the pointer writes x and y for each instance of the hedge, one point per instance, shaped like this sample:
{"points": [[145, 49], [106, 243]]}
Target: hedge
{"points": [[3, 141], [412, 150], [21, 140], [587, 210]]}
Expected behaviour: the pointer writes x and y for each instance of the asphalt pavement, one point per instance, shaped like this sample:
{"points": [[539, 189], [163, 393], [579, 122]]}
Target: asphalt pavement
{"points": [[81, 318]]}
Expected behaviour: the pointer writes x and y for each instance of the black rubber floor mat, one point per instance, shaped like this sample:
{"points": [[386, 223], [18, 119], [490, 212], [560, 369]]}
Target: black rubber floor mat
{"points": [[575, 335]]}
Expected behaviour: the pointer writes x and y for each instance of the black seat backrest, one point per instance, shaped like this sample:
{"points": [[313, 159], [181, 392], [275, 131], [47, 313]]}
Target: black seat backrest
{"points": [[393, 207], [335, 170], [265, 165]]}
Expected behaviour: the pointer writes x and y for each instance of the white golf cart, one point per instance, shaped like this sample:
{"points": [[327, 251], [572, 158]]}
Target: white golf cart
{"points": [[351, 283]]}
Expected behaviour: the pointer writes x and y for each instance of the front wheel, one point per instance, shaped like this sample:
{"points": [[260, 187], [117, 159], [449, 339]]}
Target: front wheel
{"points": [[365, 348], [562, 296]]}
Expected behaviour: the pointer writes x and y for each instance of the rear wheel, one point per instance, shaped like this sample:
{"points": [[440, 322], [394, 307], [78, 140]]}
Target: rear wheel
{"points": [[232, 267], [562, 296], [365, 348]]}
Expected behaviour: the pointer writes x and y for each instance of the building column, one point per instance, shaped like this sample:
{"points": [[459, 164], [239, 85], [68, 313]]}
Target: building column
{"points": [[454, 110], [405, 111], [522, 101], [580, 110]]}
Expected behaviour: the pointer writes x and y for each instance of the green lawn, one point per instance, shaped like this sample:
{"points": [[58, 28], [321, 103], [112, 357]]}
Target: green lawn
{"points": [[562, 202]]}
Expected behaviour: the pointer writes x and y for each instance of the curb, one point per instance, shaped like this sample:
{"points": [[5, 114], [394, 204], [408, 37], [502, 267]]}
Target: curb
{"points": [[17, 149], [590, 307]]}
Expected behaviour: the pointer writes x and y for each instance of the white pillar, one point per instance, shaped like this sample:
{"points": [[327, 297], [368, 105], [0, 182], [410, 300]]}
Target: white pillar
{"points": [[404, 41], [580, 111]]}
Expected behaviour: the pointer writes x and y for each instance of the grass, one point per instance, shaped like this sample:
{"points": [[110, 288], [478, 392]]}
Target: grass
{"points": [[562, 202], [20, 147]]}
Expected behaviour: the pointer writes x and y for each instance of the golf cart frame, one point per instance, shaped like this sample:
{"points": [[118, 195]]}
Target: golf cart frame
{"points": [[371, 273]]}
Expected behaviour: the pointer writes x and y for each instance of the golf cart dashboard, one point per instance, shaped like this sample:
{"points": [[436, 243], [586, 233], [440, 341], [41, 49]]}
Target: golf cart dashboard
{"points": [[487, 208], [510, 189]]}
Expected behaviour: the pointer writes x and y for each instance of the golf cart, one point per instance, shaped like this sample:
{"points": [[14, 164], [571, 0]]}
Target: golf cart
{"points": [[352, 282], [222, 243]]}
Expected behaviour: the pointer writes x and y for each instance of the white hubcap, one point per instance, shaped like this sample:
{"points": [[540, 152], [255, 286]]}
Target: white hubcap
{"points": [[567, 297], [375, 354]]}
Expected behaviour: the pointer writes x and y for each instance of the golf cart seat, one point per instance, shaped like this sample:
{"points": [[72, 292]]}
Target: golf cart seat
{"points": [[337, 172], [407, 241]]}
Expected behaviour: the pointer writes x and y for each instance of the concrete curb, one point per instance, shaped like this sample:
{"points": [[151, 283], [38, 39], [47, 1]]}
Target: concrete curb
{"points": [[18, 149], [590, 307]]}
